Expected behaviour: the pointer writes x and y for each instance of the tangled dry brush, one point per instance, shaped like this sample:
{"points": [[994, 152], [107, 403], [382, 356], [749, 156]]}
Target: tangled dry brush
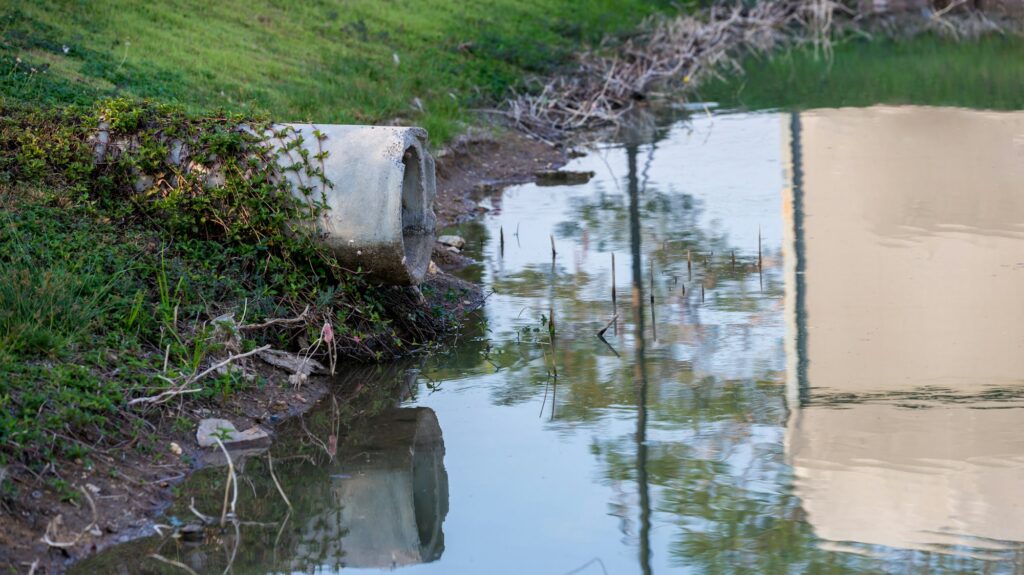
{"points": [[674, 55]]}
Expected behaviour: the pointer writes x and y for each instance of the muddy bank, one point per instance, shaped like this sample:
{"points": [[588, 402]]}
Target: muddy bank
{"points": [[110, 496], [481, 163]]}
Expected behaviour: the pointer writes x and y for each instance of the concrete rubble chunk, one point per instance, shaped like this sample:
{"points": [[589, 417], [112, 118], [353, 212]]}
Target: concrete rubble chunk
{"points": [[292, 363], [210, 430], [452, 241]]}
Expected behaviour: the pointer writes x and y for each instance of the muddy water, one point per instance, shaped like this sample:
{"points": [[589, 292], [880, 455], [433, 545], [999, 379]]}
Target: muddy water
{"points": [[817, 366]]}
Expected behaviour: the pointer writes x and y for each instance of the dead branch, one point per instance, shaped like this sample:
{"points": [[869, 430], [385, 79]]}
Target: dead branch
{"points": [[301, 318], [55, 523], [177, 564], [183, 388]]}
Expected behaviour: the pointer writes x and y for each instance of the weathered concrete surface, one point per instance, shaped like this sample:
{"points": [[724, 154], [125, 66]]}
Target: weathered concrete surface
{"points": [[380, 198], [378, 183]]}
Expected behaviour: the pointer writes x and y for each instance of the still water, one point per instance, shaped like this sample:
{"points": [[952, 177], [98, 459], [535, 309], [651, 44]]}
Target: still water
{"points": [[814, 363]]}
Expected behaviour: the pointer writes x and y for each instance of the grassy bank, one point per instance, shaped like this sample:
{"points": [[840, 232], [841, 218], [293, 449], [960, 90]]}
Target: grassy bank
{"points": [[987, 73], [357, 61], [109, 295]]}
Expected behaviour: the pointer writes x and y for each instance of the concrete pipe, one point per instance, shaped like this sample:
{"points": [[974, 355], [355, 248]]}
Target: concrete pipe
{"points": [[380, 199], [380, 196]]}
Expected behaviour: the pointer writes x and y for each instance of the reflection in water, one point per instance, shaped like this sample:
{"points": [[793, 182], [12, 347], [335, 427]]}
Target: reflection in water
{"points": [[392, 498], [908, 435], [378, 501], [640, 369], [853, 405]]}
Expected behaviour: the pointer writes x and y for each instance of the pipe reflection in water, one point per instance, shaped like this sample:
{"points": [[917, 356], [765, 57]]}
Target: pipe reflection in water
{"points": [[379, 502], [391, 501], [906, 430]]}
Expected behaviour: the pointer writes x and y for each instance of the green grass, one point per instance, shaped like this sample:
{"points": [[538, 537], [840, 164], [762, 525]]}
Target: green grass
{"points": [[926, 70], [90, 312], [106, 294], [332, 61]]}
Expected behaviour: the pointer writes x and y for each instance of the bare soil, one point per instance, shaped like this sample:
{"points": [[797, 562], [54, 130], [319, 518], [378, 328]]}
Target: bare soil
{"points": [[115, 495]]}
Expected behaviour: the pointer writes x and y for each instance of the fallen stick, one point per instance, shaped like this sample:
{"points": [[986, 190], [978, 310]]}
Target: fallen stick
{"points": [[177, 564], [181, 389], [51, 526], [277, 321]]}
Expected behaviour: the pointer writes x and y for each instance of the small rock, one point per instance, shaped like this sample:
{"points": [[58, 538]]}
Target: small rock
{"points": [[92, 488], [210, 430], [291, 362], [452, 241], [192, 532], [225, 331]]}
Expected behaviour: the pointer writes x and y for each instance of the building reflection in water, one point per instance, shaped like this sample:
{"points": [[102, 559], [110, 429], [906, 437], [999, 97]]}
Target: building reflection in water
{"points": [[905, 275]]}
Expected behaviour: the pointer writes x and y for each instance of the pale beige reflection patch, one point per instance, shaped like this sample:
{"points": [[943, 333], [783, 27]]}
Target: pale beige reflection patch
{"points": [[913, 233], [914, 238]]}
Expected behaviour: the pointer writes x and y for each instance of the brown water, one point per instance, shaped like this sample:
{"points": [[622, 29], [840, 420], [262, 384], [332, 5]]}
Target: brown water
{"points": [[853, 404]]}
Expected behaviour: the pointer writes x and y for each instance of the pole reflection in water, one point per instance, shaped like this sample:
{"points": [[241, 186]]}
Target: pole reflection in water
{"points": [[639, 368]]}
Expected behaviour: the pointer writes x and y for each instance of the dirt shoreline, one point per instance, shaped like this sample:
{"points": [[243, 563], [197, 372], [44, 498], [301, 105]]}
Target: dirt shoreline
{"points": [[110, 497]]}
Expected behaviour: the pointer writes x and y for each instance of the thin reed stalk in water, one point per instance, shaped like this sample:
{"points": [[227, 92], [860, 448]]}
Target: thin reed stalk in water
{"points": [[759, 261], [270, 466], [602, 331], [613, 280], [654, 321]]}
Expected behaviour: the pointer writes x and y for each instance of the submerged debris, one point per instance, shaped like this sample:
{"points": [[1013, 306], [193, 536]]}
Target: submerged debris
{"points": [[562, 177]]}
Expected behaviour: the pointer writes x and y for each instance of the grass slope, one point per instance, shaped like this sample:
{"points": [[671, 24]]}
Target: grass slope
{"points": [[331, 61], [107, 295]]}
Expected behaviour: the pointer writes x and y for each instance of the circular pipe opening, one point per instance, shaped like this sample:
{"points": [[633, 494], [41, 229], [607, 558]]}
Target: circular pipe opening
{"points": [[417, 239]]}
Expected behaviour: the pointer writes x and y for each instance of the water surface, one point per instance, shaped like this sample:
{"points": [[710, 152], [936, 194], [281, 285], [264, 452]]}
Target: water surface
{"points": [[816, 366]]}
